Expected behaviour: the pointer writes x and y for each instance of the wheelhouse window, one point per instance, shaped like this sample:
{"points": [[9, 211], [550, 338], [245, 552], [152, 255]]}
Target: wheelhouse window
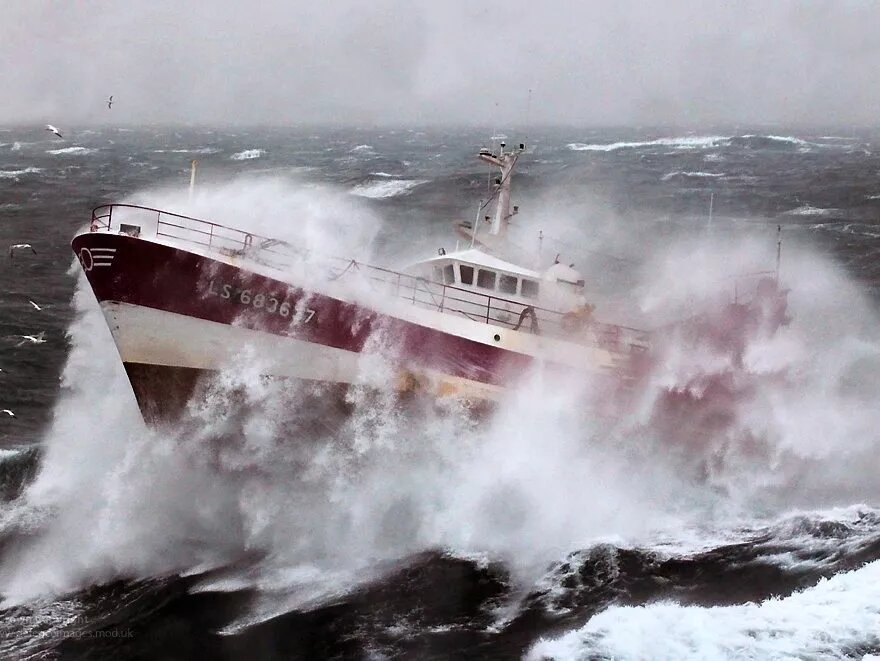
{"points": [[466, 273], [449, 274], [529, 289], [438, 274], [486, 279], [507, 284]]}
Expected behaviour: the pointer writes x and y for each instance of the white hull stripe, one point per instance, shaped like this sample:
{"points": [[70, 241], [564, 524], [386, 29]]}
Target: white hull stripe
{"points": [[156, 337]]}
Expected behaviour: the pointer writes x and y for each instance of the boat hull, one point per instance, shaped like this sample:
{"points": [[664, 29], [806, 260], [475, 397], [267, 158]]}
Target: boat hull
{"points": [[179, 317]]}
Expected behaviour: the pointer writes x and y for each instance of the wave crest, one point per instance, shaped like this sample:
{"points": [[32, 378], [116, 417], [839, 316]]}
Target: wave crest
{"points": [[248, 154], [379, 189]]}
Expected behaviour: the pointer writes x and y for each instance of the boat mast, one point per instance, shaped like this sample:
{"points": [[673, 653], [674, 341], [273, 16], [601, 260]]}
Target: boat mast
{"points": [[506, 163]]}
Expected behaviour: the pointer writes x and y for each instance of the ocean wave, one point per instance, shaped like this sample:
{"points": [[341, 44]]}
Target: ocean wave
{"points": [[17, 468], [15, 174], [201, 150], [362, 148], [834, 617], [9, 454], [386, 188], [684, 142], [248, 154], [782, 138], [78, 151], [16, 146], [855, 229], [809, 210], [749, 140], [680, 173]]}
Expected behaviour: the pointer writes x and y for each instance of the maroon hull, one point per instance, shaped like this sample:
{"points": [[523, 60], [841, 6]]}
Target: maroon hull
{"points": [[162, 392], [124, 269]]}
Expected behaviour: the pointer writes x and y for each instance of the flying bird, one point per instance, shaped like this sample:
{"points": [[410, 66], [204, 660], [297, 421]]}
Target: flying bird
{"points": [[8, 412], [36, 307], [110, 101], [20, 246], [33, 339], [54, 130]]}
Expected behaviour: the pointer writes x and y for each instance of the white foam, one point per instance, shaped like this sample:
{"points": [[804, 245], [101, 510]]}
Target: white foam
{"points": [[679, 173], [386, 188], [690, 142], [15, 174], [248, 154], [786, 138], [9, 453], [72, 151], [362, 148], [199, 150], [685, 142], [809, 210], [825, 621]]}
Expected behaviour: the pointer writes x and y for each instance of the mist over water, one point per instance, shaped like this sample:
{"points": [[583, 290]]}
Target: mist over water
{"points": [[273, 490]]}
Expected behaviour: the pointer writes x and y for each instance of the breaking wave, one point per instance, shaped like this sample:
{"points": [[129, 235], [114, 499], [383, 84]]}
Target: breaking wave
{"points": [[749, 141], [248, 154], [328, 504], [15, 174], [809, 210], [386, 187], [77, 151], [686, 142], [679, 173], [836, 619], [195, 150]]}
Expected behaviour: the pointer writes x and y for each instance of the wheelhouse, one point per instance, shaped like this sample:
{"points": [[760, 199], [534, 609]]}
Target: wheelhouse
{"points": [[476, 271]]}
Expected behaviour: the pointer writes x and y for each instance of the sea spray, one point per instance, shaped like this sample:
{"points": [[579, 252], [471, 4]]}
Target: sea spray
{"points": [[326, 496]]}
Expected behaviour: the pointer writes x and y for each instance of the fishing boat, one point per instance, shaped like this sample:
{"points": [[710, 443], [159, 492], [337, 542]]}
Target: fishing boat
{"points": [[186, 298]]}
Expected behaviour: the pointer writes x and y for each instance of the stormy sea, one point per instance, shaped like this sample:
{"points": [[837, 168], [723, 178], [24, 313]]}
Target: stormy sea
{"points": [[540, 530]]}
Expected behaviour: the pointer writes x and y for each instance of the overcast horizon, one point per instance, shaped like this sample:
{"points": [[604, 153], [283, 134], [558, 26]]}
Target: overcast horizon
{"points": [[418, 64]]}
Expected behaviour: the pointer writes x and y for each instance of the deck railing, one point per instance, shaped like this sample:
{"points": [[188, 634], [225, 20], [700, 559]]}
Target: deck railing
{"points": [[485, 308]]}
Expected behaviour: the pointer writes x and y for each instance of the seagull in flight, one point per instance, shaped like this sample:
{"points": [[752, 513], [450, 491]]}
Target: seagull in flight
{"points": [[110, 102], [33, 339], [8, 412], [54, 130], [36, 307], [20, 246]]}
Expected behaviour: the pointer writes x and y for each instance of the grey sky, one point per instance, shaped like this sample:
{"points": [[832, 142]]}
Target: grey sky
{"points": [[389, 61]]}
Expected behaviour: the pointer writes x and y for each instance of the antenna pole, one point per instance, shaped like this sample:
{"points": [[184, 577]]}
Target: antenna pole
{"points": [[778, 250], [540, 248], [528, 114], [192, 178], [711, 208]]}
